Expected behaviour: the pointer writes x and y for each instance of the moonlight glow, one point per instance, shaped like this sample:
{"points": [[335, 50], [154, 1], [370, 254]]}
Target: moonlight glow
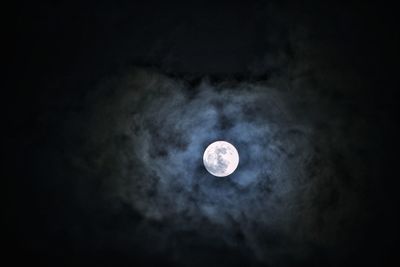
{"points": [[221, 158]]}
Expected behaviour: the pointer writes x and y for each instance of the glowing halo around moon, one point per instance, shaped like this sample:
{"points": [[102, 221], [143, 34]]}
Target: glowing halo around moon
{"points": [[221, 158]]}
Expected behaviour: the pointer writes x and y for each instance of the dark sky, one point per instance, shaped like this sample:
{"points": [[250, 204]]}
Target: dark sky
{"points": [[110, 106]]}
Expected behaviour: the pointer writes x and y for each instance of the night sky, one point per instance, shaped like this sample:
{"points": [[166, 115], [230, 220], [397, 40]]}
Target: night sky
{"points": [[110, 106]]}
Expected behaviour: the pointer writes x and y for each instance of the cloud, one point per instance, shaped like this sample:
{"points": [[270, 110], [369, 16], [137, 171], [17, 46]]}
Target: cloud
{"points": [[150, 132]]}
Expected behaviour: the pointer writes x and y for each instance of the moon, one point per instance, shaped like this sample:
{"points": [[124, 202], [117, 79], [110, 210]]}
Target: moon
{"points": [[221, 158]]}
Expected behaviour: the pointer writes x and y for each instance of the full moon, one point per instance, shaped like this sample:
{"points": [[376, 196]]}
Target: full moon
{"points": [[221, 158]]}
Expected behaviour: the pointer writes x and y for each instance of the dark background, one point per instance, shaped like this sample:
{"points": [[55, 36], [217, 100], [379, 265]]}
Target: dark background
{"points": [[61, 50]]}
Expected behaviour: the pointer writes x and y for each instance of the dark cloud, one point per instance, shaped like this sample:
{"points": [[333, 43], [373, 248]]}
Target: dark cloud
{"points": [[293, 191]]}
